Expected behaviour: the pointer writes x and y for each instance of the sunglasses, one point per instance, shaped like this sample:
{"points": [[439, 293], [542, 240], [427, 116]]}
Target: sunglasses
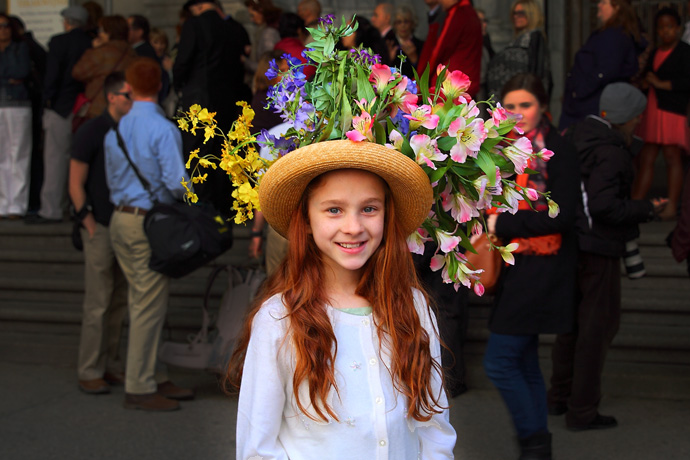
{"points": [[123, 94]]}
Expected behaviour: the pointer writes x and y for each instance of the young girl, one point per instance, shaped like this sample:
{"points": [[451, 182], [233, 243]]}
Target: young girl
{"points": [[536, 294], [664, 123], [340, 357]]}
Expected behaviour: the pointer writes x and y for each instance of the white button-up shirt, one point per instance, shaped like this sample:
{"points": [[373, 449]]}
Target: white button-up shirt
{"points": [[372, 415]]}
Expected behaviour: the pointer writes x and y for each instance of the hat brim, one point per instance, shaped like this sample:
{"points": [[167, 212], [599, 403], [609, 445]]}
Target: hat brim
{"points": [[284, 183]]}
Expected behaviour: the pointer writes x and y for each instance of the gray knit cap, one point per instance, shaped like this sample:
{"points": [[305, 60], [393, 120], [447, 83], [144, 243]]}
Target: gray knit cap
{"points": [[621, 102]]}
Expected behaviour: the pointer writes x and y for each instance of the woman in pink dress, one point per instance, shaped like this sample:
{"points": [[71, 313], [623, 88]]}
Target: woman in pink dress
{"points": [[664, 124]]}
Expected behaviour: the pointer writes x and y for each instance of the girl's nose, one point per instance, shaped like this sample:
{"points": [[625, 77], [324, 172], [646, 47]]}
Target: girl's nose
{"points": [[352, 224]]}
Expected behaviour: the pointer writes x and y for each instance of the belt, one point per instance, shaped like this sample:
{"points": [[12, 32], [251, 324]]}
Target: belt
{"points": [[131, 210]]}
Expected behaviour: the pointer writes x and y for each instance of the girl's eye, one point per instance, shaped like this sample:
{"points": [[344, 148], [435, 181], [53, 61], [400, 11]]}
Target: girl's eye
{"points": [[369, 209], [510, 107], [333, 210], [525, 105]]}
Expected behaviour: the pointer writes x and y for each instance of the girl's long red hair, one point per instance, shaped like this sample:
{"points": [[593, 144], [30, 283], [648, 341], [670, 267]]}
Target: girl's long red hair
{"points": [[386, 282]]}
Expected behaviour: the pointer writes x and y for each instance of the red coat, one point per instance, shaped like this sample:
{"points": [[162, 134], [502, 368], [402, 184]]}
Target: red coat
{"points": [[459, 45]]}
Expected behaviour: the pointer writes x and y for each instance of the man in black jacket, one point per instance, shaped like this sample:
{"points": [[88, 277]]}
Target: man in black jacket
{"points": [[59, 93], [607, 219], [209, 72]]}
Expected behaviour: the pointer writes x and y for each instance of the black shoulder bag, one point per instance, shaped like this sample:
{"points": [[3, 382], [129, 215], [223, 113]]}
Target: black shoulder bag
{"points": [[183, 237]]}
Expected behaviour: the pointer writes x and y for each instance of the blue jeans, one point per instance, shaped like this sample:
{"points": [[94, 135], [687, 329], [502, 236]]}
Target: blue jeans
{"points": [[512, 364]]}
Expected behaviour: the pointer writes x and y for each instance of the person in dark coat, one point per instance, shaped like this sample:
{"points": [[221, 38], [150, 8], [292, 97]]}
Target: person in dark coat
{"points": [[387, 44], [607, 219], [609, 55], [536, 294], [60, 91], [208, 71], [139, 30]]}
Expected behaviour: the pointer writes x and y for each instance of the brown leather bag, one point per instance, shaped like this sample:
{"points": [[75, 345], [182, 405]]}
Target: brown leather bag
{"points": [[488, 260]]}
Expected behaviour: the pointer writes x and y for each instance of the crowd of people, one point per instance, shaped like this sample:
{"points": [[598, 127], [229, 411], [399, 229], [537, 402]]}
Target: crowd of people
{"points": [[100, 101]]}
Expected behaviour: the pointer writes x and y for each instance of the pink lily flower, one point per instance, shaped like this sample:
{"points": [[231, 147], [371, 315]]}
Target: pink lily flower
{"points": [[446, 241], [461, 208], [478, 289], [437, 262], [512, 198], [545, 154], [477, 228], [532, 194], [425, 150], [498, 114], [363, 126], [415, 242], [400, 97], [519, 153], [380, 76], [397, 140], [470, 137], [470, 110], [481, 185], [506, 253], [421, 115], [455, 86]]}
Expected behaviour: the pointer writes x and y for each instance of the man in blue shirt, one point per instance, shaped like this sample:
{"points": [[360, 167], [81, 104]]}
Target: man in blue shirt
{"points": [[154, 144]]}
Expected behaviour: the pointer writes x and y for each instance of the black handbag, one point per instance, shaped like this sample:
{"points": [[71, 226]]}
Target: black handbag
{"points": [[182, 237]]}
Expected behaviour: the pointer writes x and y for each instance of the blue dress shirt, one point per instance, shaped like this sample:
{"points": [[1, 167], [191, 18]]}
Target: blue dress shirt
{"points": [[155, 146]]}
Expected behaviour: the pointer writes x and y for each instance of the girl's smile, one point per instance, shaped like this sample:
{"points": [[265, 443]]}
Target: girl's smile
{"points": [[346, 216]]}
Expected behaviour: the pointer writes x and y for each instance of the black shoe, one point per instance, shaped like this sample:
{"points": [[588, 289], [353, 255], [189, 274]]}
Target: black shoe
{"points": [[558, 409], [536, 447], [600, 422], [35, 219]]}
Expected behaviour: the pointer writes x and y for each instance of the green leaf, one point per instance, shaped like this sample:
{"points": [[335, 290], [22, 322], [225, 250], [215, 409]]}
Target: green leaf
{"points": [[329, 45], [437, 174], [487, 165], [503, 130], [345, 116], [490, 143], [364, 88], [446, 143], [380, 132], [466, 170], [424, 84], [407, 149], [531, 171]]}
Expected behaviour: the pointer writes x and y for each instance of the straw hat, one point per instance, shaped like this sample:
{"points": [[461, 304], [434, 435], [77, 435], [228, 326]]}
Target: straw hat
{"points": [[284, 182]]}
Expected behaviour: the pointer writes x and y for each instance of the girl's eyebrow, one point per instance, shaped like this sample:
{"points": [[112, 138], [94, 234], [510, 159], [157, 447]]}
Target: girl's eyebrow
{"points": [[336, 202]]}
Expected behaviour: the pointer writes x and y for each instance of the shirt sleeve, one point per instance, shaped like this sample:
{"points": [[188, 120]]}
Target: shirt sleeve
{"points": [[437, 436], [262, 395], [169, 146]]}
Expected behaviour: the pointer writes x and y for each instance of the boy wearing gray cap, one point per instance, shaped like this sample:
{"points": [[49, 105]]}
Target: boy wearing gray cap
{"points": [[607, 219]]}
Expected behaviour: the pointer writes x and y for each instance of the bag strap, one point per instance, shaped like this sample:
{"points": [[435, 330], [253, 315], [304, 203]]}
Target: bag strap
{"points": [[144, 183]]}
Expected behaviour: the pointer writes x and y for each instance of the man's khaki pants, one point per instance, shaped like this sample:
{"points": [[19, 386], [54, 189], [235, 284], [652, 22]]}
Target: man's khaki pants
{"points": [[148, 303], [105, 307]]}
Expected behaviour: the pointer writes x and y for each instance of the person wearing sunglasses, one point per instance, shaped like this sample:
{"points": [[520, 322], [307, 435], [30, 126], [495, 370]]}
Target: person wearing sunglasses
{"points": [[105, 288], [527, 53]]}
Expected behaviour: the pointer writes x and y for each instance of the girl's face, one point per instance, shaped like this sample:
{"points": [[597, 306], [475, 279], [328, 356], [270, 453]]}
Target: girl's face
{"points": [[524, 103], [519, 17], [668, 30], [346, 217], [605, 10]]}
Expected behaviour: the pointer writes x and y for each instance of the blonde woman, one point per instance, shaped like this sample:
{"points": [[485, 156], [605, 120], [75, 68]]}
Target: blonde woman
{"points": [[527, 53]]}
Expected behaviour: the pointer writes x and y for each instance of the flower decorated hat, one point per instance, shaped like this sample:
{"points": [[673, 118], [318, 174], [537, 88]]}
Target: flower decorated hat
{"points": [[444, 164]]}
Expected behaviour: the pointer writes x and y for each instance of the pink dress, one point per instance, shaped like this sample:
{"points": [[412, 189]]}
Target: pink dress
{"points": [[659, 126]]}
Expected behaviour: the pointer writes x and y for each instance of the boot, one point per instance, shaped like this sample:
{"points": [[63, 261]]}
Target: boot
{"points": [[536, 447]]}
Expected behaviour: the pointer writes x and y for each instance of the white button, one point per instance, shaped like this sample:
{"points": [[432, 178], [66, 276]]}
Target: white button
{"points": [[379, 400], [601, 75], [365, 322], [382, 442], [372, 361]]}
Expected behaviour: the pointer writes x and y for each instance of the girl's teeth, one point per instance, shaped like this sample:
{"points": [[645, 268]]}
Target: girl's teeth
{"points": [[350, 245]]}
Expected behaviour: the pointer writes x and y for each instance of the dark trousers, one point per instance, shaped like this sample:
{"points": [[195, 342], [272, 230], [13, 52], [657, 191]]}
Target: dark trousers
{"points": [[578, 357], [452, 318]]}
